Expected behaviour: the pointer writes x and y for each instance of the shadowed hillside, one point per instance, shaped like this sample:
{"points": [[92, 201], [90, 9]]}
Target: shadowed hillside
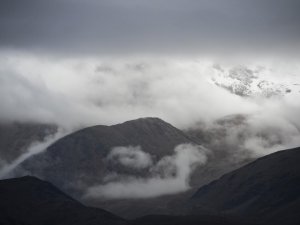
{"points": [[266, 190], [30, 201]]}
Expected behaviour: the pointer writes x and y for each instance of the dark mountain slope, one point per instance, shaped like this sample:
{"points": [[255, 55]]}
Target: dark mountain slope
{"points": [[266, 190], [30, 201], [188, 220]]}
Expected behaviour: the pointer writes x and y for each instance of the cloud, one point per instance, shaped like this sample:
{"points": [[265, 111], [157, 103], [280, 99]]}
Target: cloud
{"points": [[82, 91], [242, 137], [79, 92], [130, 156], [170, 175], [270, 133], [35, 148]]}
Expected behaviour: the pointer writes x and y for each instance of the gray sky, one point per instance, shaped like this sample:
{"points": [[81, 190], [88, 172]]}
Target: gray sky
{"points": [[156, 26], [85, 62]]}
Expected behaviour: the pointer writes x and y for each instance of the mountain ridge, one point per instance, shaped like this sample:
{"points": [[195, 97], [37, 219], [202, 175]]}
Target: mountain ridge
{"points": [[265, 187]]}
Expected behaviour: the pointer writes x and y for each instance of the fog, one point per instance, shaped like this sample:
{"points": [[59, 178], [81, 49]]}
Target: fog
{"points": [[184, 91], [170, 175], [242, 137], [131, 157], [107, 91], [35, 148]]}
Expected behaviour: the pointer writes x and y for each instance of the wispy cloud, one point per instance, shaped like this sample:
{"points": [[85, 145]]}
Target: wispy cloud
{"points": [[35, 148]]}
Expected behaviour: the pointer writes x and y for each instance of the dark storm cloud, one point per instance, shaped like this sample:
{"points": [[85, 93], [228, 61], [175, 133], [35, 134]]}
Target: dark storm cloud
{"points": [[142, 26]]}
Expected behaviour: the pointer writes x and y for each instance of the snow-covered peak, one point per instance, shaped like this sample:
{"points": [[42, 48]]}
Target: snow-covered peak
{"points": [[255, 82]]}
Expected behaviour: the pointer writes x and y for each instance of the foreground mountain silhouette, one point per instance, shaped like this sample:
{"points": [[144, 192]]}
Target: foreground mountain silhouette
{"points": [[30, 201], [266, 191]]}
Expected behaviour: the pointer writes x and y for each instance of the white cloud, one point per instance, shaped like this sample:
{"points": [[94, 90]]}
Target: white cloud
{"points": [[170, 175], [130, 156], [88, 91], [35, 148], [78, 92]]}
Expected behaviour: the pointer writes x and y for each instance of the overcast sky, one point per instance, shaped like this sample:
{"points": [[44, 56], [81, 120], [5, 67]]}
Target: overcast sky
{"points": [[78, 63], [156, 26], [86, 62]]}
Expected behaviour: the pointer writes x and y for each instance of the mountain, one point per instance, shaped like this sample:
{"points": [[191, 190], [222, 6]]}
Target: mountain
{"points": [[189, 219], [79, 161], [266, 190], [253, 82], [31, 201], [81, 155]]}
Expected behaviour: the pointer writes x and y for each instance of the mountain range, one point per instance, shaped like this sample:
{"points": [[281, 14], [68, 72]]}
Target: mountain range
{"points": [[265, 191], [30, 201], [142, 156], [79, 160]]}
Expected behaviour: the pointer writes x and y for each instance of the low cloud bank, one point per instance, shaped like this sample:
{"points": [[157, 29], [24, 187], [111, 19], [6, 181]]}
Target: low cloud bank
{"points": [[267, 134], [87, 91], [169, 175], [79, 92], [244, 136]]}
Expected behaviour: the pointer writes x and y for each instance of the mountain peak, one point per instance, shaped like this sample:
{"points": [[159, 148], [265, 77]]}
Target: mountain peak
{"points": [[148, 120], [90, 147]]}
